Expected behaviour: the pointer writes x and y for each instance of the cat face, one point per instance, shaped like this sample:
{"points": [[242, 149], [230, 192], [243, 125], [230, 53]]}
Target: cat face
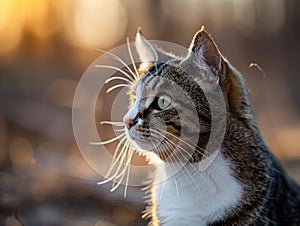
{"points": [[170, 114], [153, 122]]}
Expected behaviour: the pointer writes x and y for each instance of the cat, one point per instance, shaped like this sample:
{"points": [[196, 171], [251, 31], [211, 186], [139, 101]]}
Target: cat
{"points": [[241, 182]]}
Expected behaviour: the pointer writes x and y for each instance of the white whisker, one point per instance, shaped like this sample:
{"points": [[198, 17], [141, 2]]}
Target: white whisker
{"points": [[113, 177], [118, 78], [123, 172], [128, 172], [112, 123], [192, 146], [115, 68], [171, 144], [115, 160], [108, 141], [120, 61], [121, 175], [184, 168], [162, 190], [114, 156], [176, 186], [117, 86], [119, 130]]}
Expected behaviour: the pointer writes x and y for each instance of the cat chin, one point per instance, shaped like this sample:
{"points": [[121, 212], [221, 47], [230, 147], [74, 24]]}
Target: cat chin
{"points": [[143, 146], [140, 144]]}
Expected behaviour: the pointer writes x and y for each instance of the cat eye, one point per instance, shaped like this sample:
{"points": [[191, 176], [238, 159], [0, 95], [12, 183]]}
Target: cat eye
{"points": [[163, 102]]}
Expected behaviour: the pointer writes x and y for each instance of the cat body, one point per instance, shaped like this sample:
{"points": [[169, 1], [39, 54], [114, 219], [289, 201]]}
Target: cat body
{"points": [[243, 184]]}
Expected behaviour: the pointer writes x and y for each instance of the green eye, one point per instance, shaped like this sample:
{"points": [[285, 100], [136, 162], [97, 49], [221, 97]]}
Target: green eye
{"points": [[163, 102]]}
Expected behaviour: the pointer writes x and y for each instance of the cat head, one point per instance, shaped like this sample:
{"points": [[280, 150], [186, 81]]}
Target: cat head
{"points": [[170, 112]]}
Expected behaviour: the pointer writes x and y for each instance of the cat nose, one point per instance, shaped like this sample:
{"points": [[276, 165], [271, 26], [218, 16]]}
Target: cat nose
{"points": [[130, 123]]}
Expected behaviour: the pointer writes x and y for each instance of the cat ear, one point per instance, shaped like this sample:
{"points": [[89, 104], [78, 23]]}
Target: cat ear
{"points": [[204, 49], [149, 53]]}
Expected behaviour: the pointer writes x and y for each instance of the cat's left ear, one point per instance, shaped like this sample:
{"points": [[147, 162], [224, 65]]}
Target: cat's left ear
{"points": [[149, 53], [204, 49]]}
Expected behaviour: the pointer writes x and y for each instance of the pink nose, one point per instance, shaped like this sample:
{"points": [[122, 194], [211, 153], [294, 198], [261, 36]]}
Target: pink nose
{"points": [[129, 123]]}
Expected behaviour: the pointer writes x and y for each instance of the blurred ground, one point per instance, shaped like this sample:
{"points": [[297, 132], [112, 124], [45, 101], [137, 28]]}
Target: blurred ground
{"points": [[47, 45]]}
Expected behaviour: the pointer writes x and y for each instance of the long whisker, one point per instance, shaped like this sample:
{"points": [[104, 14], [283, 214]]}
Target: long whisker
{"points": [[181, 140], [192, 146], [170, 142], [182, 149], [114, 157], [176, 186], [204, 155], [174, 163], [187, 171], [108, 141], [118, 169], [123, 172], [117, 86], [115, 68], [132, 60], [160, 149], [118, 78], [126, 163], [118, 130], [120, 61], [128, 172], [112, 123], [157, 132], [116, 160]]}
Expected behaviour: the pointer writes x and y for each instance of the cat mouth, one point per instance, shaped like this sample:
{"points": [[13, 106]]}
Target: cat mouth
{"points": [[146, 141], [139, 141], [144, 144]]}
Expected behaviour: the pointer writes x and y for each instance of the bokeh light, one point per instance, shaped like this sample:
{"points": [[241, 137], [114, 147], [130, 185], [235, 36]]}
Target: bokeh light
{"points": [[46, 45], [110, 18]]}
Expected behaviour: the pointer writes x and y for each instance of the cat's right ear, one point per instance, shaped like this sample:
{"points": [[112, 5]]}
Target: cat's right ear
{"points": [[204, 51]]}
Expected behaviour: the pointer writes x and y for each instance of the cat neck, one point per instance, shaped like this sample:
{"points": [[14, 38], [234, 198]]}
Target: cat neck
{"points": [[196, 195]]}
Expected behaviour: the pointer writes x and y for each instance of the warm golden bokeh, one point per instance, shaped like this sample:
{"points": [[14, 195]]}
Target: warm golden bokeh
{"points": [[46, 45], [75, 19]]}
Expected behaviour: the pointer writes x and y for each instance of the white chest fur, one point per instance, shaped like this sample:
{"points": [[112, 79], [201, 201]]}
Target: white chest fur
{"points": [[193, 197]]}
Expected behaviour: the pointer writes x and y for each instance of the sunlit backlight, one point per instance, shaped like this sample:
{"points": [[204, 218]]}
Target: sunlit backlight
{"points": [[43, 18], [21, 154], [97, 23], [12, 16]]}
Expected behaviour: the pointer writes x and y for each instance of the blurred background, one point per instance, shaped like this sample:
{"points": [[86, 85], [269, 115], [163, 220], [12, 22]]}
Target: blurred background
{"points": [[45, 47]]}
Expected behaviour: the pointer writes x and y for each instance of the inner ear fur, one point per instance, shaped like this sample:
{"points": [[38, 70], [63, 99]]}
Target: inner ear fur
{"points": [[149, 53], [204, 49]]}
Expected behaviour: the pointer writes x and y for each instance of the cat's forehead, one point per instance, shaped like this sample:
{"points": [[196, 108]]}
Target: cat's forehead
{"points": [[159, 74], [149, 82]]}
